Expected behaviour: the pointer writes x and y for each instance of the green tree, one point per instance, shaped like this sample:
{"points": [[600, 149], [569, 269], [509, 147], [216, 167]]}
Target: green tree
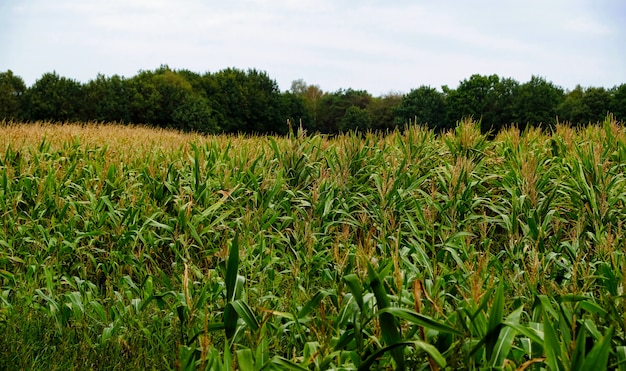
{"points": [[311, 96], [424, 106], [479, 97], [246, 101], [355, 118], [536, 102], [194, 79], [382, 111], [583, 106], [598, 103], [175, 92], [333, 107], [107, 99], [618, 102], [54, 98], [12, 89], [145, 100], [293, 108], [298, 87], [504, 110], [193, 113], [167, 98], [571, 109]]}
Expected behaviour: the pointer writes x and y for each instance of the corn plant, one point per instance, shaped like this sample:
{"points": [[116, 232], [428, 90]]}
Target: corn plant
{"points": [[129, 247]]}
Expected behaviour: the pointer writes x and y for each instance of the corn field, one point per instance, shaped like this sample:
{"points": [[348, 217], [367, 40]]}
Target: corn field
{"points": [[133, 248]]}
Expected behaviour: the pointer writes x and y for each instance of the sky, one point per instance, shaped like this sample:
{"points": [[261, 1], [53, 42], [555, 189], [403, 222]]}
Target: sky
{"points": [[380, 46]]}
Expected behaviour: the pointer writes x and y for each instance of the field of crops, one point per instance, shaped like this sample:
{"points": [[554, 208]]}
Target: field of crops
{"points": [[131, 248]]}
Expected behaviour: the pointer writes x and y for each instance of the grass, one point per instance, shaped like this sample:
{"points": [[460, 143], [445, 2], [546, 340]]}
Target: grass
{"points": [[131, 248]]}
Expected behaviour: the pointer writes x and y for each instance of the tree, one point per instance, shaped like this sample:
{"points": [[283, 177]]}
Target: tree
{"points": [[193, 113], [425, 106], [54, 98], [583, 106], [194, 79], [107, 99], [175, 91], [311, 96], [333, 107], [293, 108], [504, 110], [247, 101], [618, 102], [12, 89], [478, 97], [167, 98], [355, 118], [598, 103], [536, 102], [382, 111], [298, 87], [145, 100], [571, 108]]}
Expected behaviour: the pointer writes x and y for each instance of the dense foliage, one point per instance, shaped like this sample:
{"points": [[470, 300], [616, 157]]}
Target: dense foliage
{"points": [[128, 248], [236, 101]]}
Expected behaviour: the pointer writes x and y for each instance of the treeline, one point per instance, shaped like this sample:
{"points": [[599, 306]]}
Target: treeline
{"points": [[233, 100]]}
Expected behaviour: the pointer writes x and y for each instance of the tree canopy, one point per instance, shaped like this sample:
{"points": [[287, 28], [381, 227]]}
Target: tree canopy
{"points": [[12, 89], [249, 101]]}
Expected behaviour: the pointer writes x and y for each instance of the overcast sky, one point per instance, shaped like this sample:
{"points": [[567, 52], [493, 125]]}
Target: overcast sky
{"points": [[378, 46]]}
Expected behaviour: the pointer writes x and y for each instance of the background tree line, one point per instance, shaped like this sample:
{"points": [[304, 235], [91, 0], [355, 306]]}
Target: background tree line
{"points": [[233, 100]]}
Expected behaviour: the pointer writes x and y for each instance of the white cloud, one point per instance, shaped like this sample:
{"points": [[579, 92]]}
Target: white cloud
{"points": [[374, 45]]}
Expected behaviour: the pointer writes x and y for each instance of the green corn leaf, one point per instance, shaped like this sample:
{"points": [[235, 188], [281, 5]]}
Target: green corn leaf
{"points": [[378, 289], [262, 354], [218, 326], [598, 357], [551, 345], [107, 333], [532, 334], [565, 324], [354, 284], [53, 304], [76, 300], [593, 329], [432, 352], [495, 321], [311, 349], [333, 356], [505, 340], [285, 364], [547, 306], [232, 269], [579, 352], [369, 361], [621, 358], [245, 360], [312, 304], [533, 230], [148, 287], [245, 313], [421, 320], [592, 307], [156, 224], [388, 326], [187, 357], [228, 357], [98, 310], [194, 234], [230, 320], [159, 298]]}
